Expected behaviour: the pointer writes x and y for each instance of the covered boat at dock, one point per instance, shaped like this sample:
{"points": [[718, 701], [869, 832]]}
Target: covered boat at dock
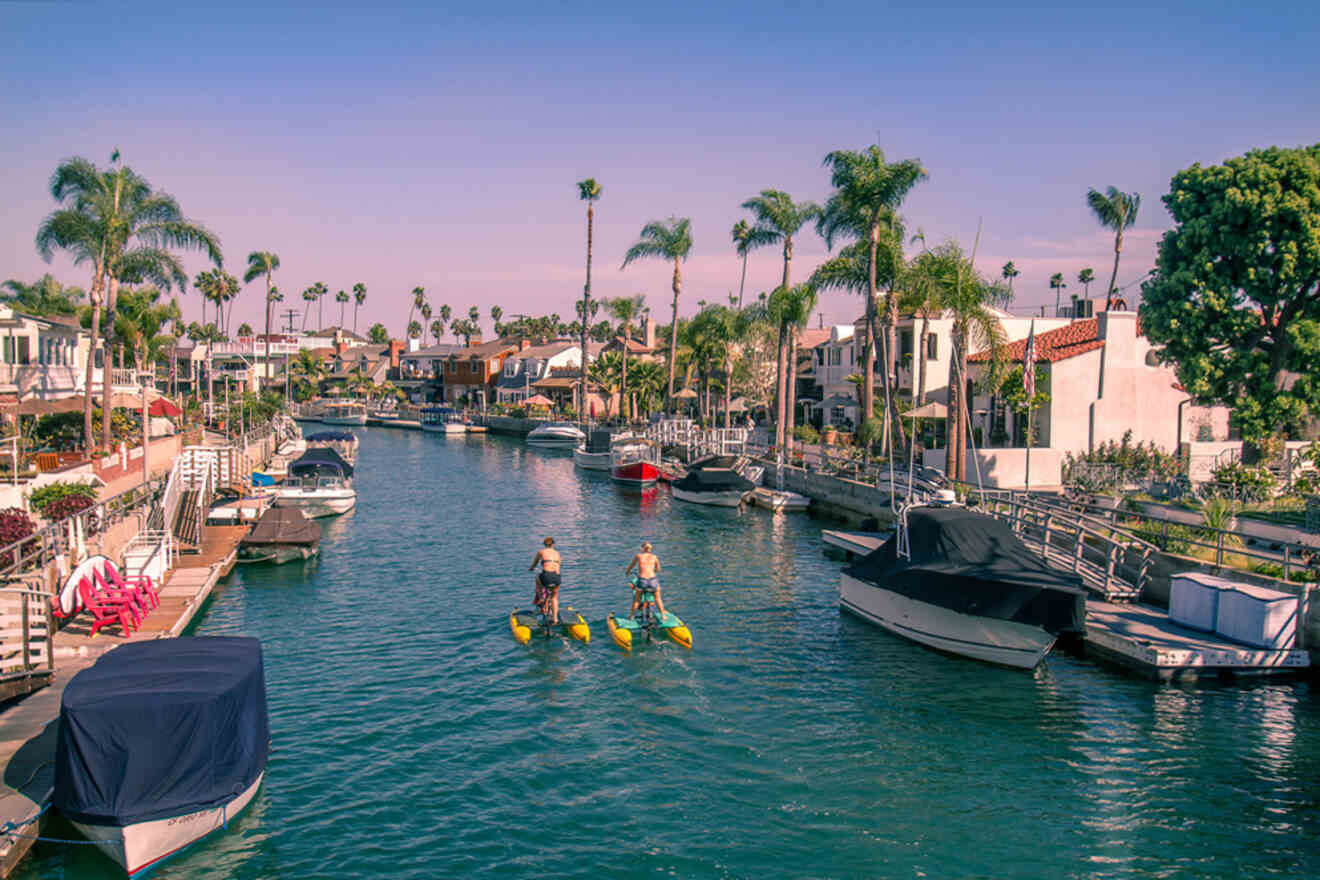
{"points": [[714, 481], [319, 483], [161, 743], [966, 584], [595, 452], [283, 534], [344, 442]]}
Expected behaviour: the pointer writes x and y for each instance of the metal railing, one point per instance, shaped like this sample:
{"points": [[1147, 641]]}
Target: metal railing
{"points": [[26, 629]]}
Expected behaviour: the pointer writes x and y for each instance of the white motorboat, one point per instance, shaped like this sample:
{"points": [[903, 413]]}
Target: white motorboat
{"points": [[162, 743], [964, 583], [714, 481], [560, 435], [779, 499], [442, 420], [344, 413], [345, 443], [594, 454], [319, 484]]}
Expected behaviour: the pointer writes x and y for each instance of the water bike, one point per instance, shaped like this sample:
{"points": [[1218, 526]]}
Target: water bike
{"points": [[626, 630], [526, 624]]}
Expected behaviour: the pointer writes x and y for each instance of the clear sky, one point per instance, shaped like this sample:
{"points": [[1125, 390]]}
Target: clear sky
{"points": [[439, 145]]}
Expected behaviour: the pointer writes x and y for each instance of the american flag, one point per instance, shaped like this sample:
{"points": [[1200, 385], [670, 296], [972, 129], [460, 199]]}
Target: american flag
{"points": [[1029, 364]]}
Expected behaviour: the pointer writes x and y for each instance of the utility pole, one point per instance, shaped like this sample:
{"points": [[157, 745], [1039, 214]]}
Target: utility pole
{"points": [[289, 315]]}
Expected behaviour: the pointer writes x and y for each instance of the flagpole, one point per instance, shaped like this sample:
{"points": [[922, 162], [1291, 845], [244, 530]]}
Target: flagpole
{"points": [[1029, 381]]}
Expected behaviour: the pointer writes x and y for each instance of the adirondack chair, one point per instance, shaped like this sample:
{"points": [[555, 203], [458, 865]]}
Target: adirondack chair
{"points": [[110, 606], [139, 585]]}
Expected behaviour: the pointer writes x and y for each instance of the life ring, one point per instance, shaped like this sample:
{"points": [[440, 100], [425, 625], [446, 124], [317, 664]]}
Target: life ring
{"points": [[70, 601]]}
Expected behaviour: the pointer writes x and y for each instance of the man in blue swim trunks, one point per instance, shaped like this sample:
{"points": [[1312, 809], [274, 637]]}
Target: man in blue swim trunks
{"points": [[648, 569], [547, 581]]}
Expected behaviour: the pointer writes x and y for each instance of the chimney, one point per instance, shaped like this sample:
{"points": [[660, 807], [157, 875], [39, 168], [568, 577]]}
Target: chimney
{"points": [[648, 331], [524, 343], [396, 349], [340, 346], [476, 337]]}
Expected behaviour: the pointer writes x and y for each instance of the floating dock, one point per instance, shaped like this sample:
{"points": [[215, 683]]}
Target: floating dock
{"points": [[853, 543]]}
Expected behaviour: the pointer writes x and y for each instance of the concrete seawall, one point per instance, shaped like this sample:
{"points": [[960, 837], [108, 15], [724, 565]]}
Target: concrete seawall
{"points": [[511, 425]]}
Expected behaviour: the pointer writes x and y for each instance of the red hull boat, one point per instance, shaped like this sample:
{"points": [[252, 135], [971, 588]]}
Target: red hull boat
{"points": [[636, 473]]}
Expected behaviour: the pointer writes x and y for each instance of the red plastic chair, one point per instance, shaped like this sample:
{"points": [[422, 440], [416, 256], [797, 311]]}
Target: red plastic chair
{"points": [[139, 585], [109, 606]]}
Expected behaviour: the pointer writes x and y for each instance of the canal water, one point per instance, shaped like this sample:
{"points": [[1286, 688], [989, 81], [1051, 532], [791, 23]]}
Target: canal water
{"points": [[413, 738]]}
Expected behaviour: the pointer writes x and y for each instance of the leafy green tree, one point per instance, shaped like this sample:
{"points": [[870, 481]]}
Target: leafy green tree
{"points": [[306, 370], [868, 192], [46, 297], [1008, 273], [378, 334], [115, 222], [1057, 285], [1117, 211], [666, 240], [1234, 302], [359, 297], [264, 263], [342, 298], [589, 191]]}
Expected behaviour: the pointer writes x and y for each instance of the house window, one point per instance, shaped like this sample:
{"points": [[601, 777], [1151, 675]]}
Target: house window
{"points": [[932, 347], [904, 343], [836, 357]]}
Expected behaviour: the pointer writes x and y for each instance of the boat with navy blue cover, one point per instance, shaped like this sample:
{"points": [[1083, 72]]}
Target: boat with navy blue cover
{"points": [[162, 743], [320, 483]]}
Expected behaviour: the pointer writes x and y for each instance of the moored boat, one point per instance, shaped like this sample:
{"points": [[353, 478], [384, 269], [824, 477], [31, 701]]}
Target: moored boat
{"points": [[283, 534], [713, 481], [964, 583], [160, 744], [594, 452], [635, 464], [442, 420], [343, 442], [344, 413], [556, 435], [779, 499], [319, 484]]}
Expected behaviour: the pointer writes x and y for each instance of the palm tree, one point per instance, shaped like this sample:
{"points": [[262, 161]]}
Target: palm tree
{"points": [[605, 372], [437, 330], [115, 222], [342, 298], [321, 291], [1009, 272], [667, 240], [378, 334], [307, 371], [867, 194], [446, 313], [359, 297], [588, 191], [1117, 211], [414, 330], [1084, 278], [625, 309], [921, 296], [309, 296], [474, 316], [778, 219], [1057, 285], [244, 329], [425, 312], [741, 235], [264, 263], [45, 297], [495, 314], [418, 298]]}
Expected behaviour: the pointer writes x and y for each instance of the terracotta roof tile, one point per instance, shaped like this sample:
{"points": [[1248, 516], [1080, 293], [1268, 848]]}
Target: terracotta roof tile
{"points": [[1077, 338]]}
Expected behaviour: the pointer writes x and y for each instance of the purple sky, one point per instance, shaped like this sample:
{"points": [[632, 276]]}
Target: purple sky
{"points": [[401, 146]]}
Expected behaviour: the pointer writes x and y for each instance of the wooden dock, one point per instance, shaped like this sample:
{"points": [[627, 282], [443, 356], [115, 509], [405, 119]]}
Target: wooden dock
{"points": [[28, 729], [1138, 637]]}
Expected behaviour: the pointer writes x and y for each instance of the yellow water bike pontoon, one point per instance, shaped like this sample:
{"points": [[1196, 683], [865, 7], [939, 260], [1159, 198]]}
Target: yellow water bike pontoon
{"points": [[526, 624]]}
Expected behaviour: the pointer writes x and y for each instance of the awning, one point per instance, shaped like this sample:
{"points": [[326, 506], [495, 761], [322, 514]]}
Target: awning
{"points": [[686, 394], [837, 400], [932, 410]]}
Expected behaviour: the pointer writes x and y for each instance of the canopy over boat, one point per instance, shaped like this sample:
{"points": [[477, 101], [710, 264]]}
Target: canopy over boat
{"points": [[714, 480], [320, 460], [974, 564], [600, 441], [283, 525], [331, 437], [161, 729]]}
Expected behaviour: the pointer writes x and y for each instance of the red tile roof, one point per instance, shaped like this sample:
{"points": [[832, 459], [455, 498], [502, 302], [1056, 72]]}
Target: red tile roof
{"points": [[1077, 338]]}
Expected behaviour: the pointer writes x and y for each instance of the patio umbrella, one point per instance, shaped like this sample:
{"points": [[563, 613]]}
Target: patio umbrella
{"points": [[686, 394], [164, 407], [539, 400], [932, 410]]}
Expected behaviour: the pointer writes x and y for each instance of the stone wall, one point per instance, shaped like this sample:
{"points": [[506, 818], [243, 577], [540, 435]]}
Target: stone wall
{"points": [[511, 425]]}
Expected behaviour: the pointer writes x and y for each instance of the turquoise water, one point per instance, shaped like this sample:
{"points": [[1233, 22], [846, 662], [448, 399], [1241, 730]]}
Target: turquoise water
{"points": [[412, 738]]}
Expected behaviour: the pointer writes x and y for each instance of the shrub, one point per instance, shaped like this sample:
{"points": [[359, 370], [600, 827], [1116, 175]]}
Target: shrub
{"points": [[1218, 513], [15, 525], [1113, 463], [806, 434], [63, 508], [1171, 539], [50, 493], [1245, 483]]}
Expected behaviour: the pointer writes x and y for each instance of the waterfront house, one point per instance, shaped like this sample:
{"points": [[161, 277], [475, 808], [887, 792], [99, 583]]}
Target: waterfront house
{"points": [[470, 373], [644, 348], [532, 363], [421, 373], [44, 358]]}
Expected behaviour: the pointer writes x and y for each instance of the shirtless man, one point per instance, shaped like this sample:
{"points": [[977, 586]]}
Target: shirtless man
{"points": [[648, 567], [547, 581]]}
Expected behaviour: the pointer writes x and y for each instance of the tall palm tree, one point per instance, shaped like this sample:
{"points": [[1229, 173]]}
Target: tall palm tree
{"points": [[778, 219], [359, 297], [868, 192], [474, 317], [921, 296], [741, 235], [496, 313], [321, 291], [801, 302], [44, 297], [589, 191], [1057, 285], [418, 299], [1084, 278], [414, 329], [309, 296], [1009, 272], [437, 330], [342, 298], [1117, 211], [666, 240], [113, 221], [425, 312], [625, 310], [264, 263]]}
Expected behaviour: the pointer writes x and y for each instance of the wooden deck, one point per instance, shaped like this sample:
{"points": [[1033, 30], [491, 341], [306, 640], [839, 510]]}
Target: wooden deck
{"points": [[853, 543]]}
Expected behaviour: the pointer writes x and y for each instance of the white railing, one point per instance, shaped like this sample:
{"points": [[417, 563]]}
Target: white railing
{"points": [[25, 639], [151, 552], [255, 348]]}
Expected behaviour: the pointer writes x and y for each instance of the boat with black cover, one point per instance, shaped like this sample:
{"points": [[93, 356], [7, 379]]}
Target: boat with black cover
{"points": [[713, 480], [344, 442], [963, 582], [283, 534], [161, 743]]}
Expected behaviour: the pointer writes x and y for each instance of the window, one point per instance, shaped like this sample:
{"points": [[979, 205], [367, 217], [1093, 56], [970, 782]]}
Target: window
{"points": [[904, 342], [932, 347], [836, 357]]}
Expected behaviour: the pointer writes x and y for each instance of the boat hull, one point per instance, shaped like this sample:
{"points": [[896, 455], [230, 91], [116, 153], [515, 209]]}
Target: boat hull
{"points": [[317, 505], [360, 419], [1003, 642], [772, 499], [591, 461], [445, 427], [550, 442], [142, 846], [636, 473], [276, 554], [731, 498]]}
